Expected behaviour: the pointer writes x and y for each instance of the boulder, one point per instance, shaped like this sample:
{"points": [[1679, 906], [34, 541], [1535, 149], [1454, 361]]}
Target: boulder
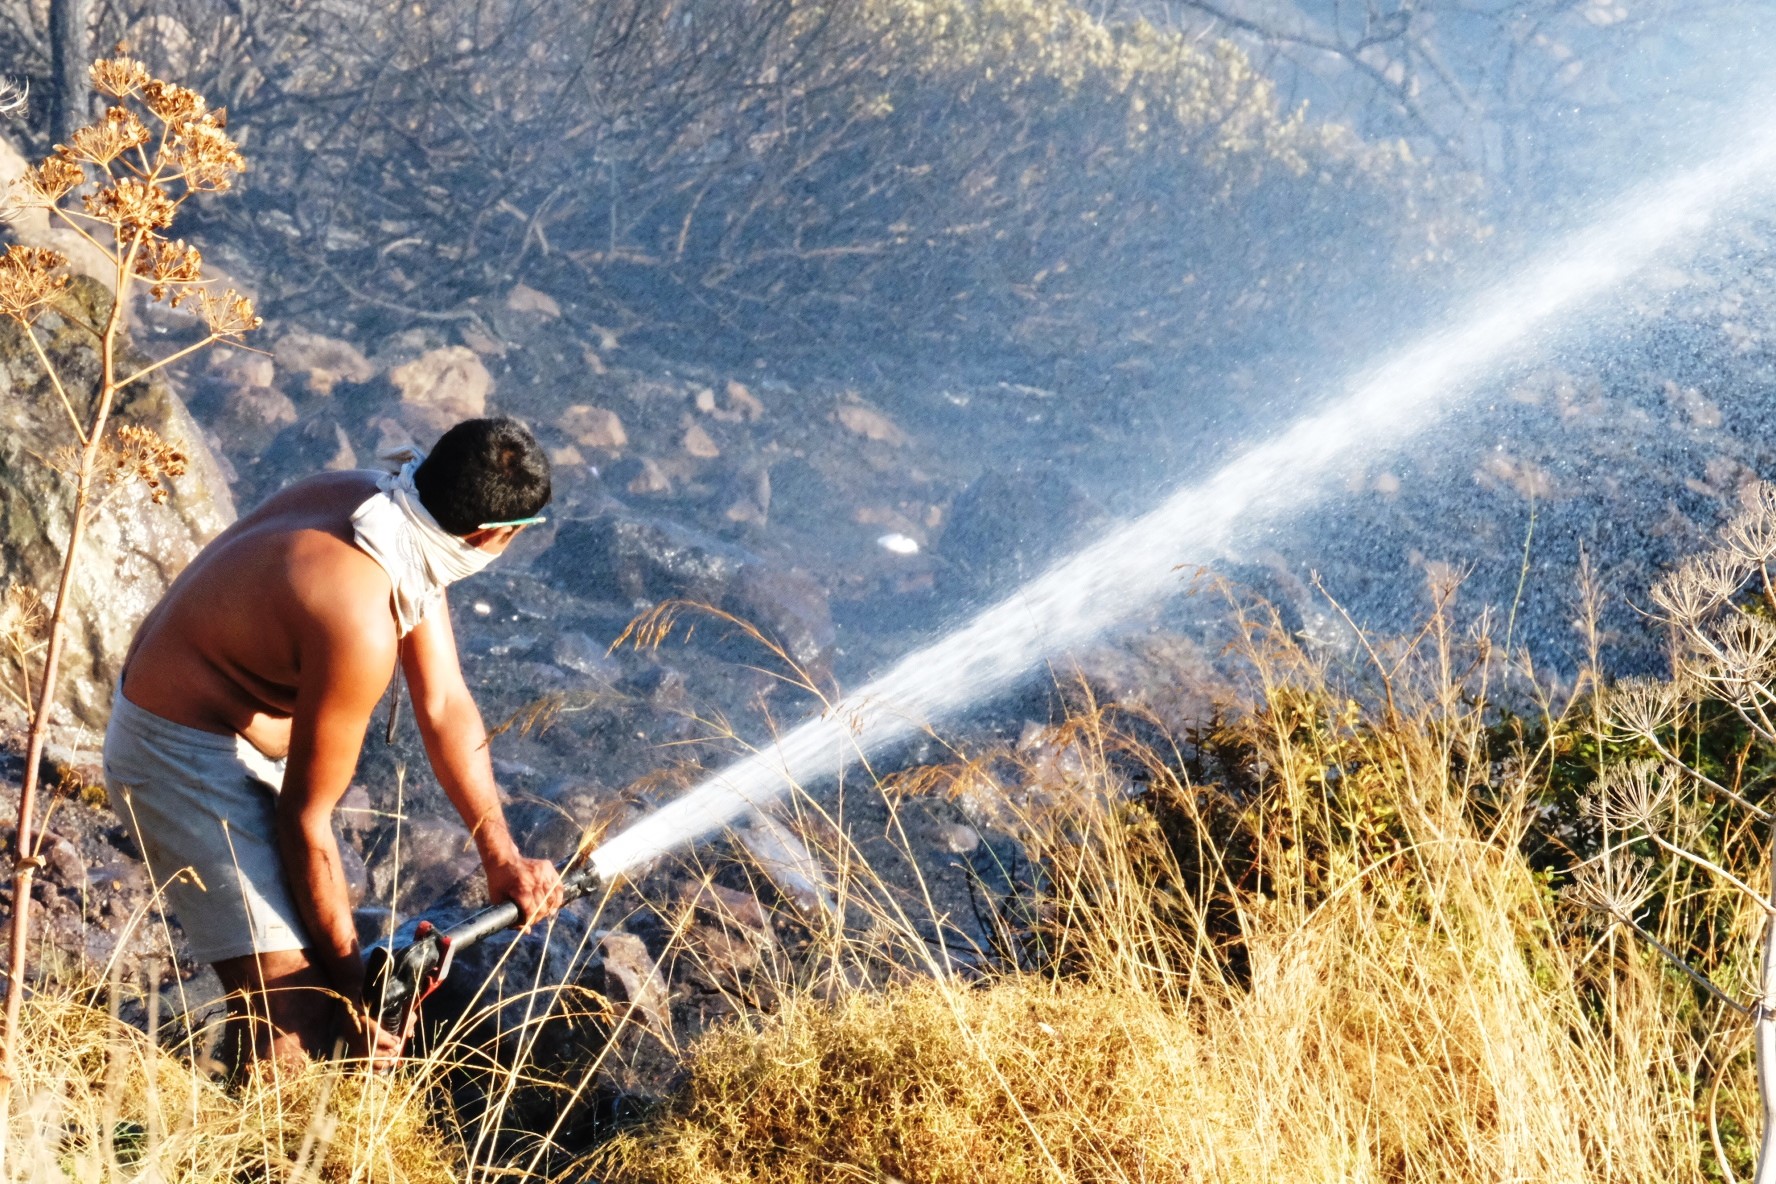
{"points": [[742, 405], [639, 475], [632, 977], [251, 417], [593, 427], [441, 387], [134, 547], [861, 419], [430, 862], [639, 560], [503, 989], [1007, 526], [357, 875], [728, 908], [241, 367], [577, 652], [322, 362], [523, 298], [790, 606], [698, 443], [316, 444]]}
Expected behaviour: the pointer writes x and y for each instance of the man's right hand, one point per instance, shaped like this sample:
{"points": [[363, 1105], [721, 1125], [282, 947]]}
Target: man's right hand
{"points": [[532, 884], [374, 1044]]}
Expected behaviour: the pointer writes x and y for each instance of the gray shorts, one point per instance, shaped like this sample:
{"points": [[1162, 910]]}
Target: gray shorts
{"points": [[203, 807]]}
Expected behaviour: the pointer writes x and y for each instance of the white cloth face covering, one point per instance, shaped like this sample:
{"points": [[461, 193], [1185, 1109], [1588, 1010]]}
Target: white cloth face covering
{"points": [[420, 557]]}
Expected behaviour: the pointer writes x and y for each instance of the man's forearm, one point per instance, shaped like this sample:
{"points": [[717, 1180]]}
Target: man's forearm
{"points": [[317, 879], [457, 747]]}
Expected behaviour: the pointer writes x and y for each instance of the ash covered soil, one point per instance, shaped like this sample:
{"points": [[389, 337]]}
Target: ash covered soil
{"points": [[847, 518]]}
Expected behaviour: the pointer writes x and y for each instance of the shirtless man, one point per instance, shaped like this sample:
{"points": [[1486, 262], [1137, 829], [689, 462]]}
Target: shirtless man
{"points": [[244, 702]]}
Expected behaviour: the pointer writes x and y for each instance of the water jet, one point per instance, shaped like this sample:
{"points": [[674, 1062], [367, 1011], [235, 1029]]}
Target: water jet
{"points": [[1136, 564]]}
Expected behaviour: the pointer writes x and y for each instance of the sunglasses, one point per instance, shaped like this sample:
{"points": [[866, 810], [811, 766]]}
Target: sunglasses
{"points": [[538, 520]]}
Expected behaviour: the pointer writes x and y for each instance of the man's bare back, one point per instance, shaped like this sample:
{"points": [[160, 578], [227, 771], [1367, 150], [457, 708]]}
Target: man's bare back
{"points": [[219, 653]]}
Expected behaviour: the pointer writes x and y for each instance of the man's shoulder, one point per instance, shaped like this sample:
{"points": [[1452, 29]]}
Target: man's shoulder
{"points": [[342, 597], [337, 584]]}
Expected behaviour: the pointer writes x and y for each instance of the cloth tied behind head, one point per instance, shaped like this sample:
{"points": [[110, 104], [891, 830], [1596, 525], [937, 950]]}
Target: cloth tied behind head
{"points": [[420, 557]]}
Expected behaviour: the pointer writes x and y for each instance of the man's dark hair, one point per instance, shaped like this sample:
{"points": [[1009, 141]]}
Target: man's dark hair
{"points": [[483, 470]]}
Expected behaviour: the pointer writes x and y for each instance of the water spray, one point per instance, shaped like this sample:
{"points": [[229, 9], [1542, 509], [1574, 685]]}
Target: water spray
{"points": [[1136, 564]]}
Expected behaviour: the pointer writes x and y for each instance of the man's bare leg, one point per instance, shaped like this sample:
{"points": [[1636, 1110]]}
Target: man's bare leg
{"points": [[281, 1007]]}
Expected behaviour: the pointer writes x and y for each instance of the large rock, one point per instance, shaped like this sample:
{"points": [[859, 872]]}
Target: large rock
{"points": [[441, 387], [640, 560], [322, 362], [134, 547], [1007, 526]]}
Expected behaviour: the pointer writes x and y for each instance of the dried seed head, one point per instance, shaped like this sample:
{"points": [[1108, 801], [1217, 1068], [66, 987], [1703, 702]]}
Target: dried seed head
{"points": [[1745, 648], [1635, 797], [1752, 533], [205, 155], [1719, 574], [168, 263], [103, 142], [1617, 891], [174, 104], [13, 96], [119, 76], [140, 454], [45, 184], [30, 278], [229, 314], [132, 206], [22, 616], [1684, 598], [1641, 706]]}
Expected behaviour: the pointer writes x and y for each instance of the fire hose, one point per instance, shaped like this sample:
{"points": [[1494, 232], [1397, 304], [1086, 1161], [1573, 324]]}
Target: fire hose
{"points": [[397, 981]]}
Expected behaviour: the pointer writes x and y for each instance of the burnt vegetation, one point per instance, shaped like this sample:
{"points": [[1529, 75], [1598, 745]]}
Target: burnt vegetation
{"points": [[927, 177]]}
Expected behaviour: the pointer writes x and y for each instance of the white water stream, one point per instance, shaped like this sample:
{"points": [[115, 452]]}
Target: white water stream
{"points": [[1136, 564]]}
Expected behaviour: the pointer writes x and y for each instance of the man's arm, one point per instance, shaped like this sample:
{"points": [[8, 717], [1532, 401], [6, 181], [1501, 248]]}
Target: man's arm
{"points": [[456, 743], [346, 658]]}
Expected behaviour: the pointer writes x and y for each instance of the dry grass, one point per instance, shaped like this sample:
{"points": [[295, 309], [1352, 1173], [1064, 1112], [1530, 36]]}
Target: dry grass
{"points": [[1312, 945], [100, 1101], [1329, 962]]}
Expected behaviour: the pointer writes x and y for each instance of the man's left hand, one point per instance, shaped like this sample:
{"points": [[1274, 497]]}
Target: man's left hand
{"points": [[532, 884]]}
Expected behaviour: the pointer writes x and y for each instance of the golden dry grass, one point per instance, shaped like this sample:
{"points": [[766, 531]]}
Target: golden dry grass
{"points": [[1316, 951], [1388, 992], [100, 1101]]}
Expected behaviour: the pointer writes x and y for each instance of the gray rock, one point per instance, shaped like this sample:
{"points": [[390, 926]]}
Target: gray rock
{"points": [[633, 977], [638, 560], [721, 956], [440, 387], [536, 995], [635, 558], [315, 444], [64, 865], [431, 861], [728, 908], [357, 875], [322, 362], [790, 606], [252, 416], [1006, 526], [134, 548], [580, 654], [354, 815]]}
